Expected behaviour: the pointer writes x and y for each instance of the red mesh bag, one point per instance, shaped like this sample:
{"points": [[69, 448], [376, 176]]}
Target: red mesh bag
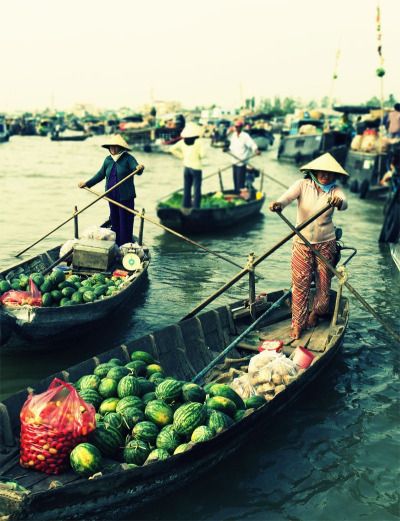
{"points": [[33, 297], [52, 424]]}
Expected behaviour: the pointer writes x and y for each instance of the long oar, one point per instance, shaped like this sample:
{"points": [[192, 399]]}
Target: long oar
{"points": [[80, 211], [204, 178], [233, 344], [263, 173], [149, 219], [242, 273], [333, 270]]}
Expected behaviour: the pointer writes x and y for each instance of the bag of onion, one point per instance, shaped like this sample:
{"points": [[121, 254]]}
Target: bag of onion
{"points": [[52, 424]]}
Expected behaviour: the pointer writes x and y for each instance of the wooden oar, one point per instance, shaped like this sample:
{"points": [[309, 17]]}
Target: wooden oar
{"points": [[242, 273], [80, 211], [333, 270], [204, 178]]}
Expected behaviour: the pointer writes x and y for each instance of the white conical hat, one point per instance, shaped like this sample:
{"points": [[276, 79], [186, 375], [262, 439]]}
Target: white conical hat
{"points": [[325, 163], [116, 140], [191, 130]]}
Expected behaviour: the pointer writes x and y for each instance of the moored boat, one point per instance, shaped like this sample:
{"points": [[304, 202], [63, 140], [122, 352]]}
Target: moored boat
{"points": [[183, 349], [206, 219]]}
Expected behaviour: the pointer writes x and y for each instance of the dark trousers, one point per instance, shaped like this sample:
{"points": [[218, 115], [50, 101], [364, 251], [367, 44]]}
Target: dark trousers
{"points": [[239, 175], [191, 177], [122, 221]]}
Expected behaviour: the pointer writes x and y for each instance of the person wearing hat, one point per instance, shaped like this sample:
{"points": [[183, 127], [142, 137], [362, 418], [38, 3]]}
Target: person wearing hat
{"points": [[312, 193], [190, 150], [116, 166], [241, 146]]}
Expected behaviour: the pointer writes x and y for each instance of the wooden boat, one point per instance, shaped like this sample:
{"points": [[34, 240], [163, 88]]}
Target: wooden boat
{"points": [[199, 220], [52, 323], [183, 349], [77, 137]]}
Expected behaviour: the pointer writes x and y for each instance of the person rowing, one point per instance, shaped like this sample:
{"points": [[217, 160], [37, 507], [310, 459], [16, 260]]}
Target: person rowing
{"points": [[312, 193]]}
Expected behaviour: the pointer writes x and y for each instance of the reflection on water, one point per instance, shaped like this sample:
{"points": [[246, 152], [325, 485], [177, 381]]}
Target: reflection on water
{"points": [[334, 454]]}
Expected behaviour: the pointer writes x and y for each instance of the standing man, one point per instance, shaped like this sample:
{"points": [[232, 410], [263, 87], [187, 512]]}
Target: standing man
{"points": [[242, 146], [392, 122]]}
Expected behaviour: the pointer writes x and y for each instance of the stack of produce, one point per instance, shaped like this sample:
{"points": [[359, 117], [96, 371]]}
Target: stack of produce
{"points": [[216, 200], [60, 290], [144, 416]]}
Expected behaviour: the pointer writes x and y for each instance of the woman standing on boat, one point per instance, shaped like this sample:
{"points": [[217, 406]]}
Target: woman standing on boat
{"points": [[116, 166], [312, 193], [241, 147], [190, 150]]}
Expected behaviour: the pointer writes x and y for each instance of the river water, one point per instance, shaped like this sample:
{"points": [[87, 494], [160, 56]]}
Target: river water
{"points": [[334, 455]]}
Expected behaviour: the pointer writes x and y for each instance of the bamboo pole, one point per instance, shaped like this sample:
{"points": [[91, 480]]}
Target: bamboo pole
{"points": [[245, 270], [139, 169], [333, 270]]}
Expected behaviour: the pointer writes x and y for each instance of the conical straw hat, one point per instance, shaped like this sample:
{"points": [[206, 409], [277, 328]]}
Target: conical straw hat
{"points": [[116, 140], [325, 163], [191, 130]]}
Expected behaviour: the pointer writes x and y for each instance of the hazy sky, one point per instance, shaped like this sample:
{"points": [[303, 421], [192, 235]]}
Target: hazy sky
{"points": [[123, 53]]}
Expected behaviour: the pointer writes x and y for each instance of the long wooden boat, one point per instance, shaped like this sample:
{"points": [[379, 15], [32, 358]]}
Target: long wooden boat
{"points": [[60, 137], [199, 220], [45, 324], [183, 349]]}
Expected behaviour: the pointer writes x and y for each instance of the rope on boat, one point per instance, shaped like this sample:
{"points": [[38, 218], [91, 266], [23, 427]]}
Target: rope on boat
{"points": [[343, 280], [80, 211], [240, 337], [183, 237], [262, 257]]}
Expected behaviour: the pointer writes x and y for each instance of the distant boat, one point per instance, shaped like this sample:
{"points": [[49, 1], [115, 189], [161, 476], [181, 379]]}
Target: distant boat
{"points": [[4, 133], [69, 137]]}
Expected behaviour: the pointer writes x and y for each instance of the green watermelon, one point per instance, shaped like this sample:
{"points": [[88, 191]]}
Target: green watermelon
{"points": [[227, 392], [127, 386], [254, 402], [169, 390], [168, 439], [132, 416], [239, 414], [102, 369], [108, 405], [219, 421], [89, 381], [47, 300], [37, 278], [46, 286], [148, 397], [56, 295], [183, 447], [145, 386], [207, 387], [193, 393], [107, 439], [144, 356], [4, 286], [117, 372], [136, 451], [67, 292], [88, 296], [73, 279], [65, 301], [57, 276], [219, 403], [159, 413], [202, 433], [116, 420], [189, 416], [108, 387], [146, 431], [157, 455], [91, 396], [99, 290], [76, 297], [156, 378], [138, 367], [86, 459], [115, 361], [129, 401], [154, 368], [98, 278]]}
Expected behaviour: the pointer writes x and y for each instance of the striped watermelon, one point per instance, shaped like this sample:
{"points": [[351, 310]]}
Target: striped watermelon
{"points": [[142, 355], [154, 368], [148, 397], [156, 378], [128, 386], [169, 390], [254, 402], [108, 440], [157, 455], [132, 416], [137, 367], [145, 386], [136, 451], [146, 431], [86, 459], [183, 448], [89, 381], [193, 393], [91, 396], [114, 419], [129, 401], [239, 414], [108, 405], [117, 372], [219, 403], [202, 433], [227, 392], [188, 417], [159, 413], [168, 439], [102, 369], [108, 387], [219, 421], [115, 361]]}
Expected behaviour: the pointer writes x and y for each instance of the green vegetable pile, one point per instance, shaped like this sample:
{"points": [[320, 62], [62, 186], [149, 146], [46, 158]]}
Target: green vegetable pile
{"points": [[216, 200]]}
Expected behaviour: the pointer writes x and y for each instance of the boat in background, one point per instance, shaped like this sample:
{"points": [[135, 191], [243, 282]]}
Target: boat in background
{"points": [[4, 133]]}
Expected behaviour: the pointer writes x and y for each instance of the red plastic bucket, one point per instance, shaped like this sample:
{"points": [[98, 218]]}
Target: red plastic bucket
{"points": [[271, 345], [302, 357]]}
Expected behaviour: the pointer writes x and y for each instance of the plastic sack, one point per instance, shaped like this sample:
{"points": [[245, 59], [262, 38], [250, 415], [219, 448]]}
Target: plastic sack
{"points": [[52, 424], [16, 298], [270, 372], [99, 233], [67, 246], [243, 387]]}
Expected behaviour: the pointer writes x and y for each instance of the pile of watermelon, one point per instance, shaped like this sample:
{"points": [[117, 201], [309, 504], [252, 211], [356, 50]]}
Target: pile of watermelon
{"points": [[216, 200], [143, 416], [59, 290]]}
